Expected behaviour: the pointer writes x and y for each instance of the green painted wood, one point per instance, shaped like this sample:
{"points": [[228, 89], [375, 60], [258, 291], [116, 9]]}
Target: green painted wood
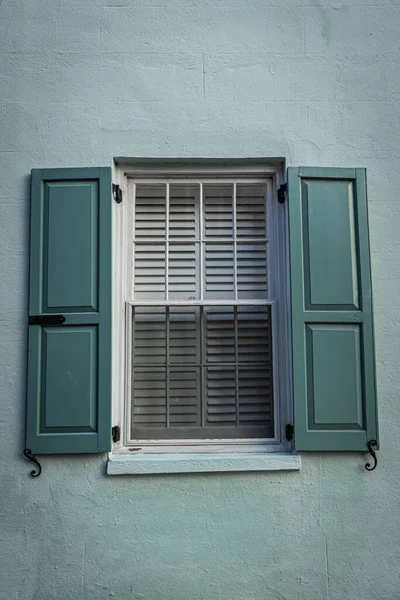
{"points": [[332, 323], [69, 370], [333, 349], [322, 316], [84, 318], [69, 367], [327, 173], [328, 216], [70, 271]]}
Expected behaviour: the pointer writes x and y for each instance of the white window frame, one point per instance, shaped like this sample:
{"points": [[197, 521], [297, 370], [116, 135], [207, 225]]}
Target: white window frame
{"points": [[278, 273]]}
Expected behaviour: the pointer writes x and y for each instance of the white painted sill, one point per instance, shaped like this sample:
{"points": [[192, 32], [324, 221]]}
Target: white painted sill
{"points": [[151, 464]]}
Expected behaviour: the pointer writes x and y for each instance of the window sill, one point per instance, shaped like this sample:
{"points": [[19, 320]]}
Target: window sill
{"points": [[146, 464]]}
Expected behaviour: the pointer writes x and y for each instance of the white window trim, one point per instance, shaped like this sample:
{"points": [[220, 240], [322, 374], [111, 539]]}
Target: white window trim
{"points": [[121, 464], [122, 215]]}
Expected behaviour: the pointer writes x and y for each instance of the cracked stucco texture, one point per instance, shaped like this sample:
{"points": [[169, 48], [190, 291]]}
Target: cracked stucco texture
{"points": [[314, 82]]}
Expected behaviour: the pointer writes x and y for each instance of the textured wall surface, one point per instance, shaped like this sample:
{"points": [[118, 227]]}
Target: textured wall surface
{"points": [[317, 83]]}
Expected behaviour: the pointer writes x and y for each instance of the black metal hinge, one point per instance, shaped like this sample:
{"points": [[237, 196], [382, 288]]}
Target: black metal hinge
{"points": [[117, 193], [289, 431], [281, 193], [116, 433]]}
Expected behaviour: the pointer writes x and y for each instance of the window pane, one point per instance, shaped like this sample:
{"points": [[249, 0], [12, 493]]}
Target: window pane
{"points": [[184, 397], [183, 271], [149, 271], [184, 212], [214, 370], [255, 395], [218, 211], [184, 335], [220, 334], [221, 395], [253, 335], [219, 271], [251, 218], [149, 387], [149, 336], [251, 264], [150, 212]]}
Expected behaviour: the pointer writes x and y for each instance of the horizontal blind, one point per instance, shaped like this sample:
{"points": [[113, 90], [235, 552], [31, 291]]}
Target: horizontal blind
{"points": [[201, 371]]}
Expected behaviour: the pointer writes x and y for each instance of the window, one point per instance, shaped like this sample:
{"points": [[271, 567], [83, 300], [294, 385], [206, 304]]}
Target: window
{"points": [[181, 289], [203, 290]]}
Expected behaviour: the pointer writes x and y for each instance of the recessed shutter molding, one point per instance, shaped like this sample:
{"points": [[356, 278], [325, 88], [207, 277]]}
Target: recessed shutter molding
{"points": [[335, 405], [69, 357]]}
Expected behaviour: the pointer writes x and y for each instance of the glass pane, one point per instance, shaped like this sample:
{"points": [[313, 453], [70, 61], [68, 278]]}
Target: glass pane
{"points": [[218, 211], [251, 264], [184, 335], [221, 396], [184, 271], [150, 212], [184, 397], [251, 217], [149, 271], [184, 212], [219, 271], [254, 334], [149, 387], [255, 395], [219, 334], [149, 336]]}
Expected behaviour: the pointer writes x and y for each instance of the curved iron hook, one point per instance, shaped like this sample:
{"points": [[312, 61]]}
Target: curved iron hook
{"points": [[28, 454], [373, 454]]}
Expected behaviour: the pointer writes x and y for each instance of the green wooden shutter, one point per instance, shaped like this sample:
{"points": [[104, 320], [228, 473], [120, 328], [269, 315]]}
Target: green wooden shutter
{"points": [[332, 322], [69, 365]]}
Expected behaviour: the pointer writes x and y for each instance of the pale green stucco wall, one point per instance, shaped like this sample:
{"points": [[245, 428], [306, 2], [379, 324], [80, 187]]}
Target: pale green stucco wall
{"points": [[83, 81]]}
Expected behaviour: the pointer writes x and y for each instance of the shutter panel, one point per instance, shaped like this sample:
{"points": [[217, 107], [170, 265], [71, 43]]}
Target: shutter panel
{"points": [[332, 322], [69, 365]]}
